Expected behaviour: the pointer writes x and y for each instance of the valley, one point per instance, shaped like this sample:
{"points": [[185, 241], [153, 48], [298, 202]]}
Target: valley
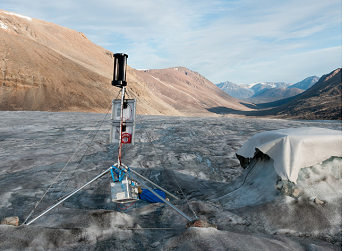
{"points": [[47, 67]]}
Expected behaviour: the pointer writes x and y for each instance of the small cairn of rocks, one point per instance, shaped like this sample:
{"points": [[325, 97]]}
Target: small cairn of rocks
{"points": [[288, 188], [13, 221]]}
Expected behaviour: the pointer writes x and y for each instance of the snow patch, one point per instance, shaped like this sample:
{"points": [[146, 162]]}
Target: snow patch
{"points": [[6, 200], [3, 26], [17, 15], [199, 175]]}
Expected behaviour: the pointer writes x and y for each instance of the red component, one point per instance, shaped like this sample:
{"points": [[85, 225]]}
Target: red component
{"points": [[126, 138], [126, 207]]}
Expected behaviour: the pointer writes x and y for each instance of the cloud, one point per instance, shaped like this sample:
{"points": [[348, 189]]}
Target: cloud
{"points": [[294, 67], [235, 45], [222, 40]]}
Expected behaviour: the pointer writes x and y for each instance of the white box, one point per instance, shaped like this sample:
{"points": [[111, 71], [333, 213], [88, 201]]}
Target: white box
{"points": [[129, 112]]}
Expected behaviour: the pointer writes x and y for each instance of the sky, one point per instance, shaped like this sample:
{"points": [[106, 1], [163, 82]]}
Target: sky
{"points": [[241, 41]]}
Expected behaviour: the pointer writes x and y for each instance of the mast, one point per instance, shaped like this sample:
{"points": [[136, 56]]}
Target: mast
{"points": [[119, 80], [121, 128]]}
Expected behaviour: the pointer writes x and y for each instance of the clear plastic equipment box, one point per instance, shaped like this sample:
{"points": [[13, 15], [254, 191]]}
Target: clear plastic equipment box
{"points": [[125, 191]]}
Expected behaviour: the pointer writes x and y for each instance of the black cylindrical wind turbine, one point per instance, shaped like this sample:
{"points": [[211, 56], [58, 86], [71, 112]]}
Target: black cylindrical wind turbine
{"points": [[119, 73]]}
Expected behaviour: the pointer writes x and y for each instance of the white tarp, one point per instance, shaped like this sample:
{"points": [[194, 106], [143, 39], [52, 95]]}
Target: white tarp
{"points": [[295, 148]]}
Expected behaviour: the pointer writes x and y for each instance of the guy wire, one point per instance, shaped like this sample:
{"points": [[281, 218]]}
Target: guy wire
{"points": [[47, 190], [162, 162], [93, 138]]}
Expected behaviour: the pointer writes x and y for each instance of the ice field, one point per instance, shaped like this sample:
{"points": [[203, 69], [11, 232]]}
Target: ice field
{"points": [[194, 158]]}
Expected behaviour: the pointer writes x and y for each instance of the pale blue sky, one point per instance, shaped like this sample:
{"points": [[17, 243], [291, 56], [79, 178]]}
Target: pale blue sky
{"points": [[242, 41]]}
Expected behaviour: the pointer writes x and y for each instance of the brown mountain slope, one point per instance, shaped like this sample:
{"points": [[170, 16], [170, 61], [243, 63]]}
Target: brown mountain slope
{"points": [[188, 91], [31, 83], [322, 101], [49, 67]]}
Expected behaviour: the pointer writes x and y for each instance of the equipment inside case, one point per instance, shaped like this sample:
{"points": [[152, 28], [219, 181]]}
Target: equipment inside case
{"points": [[125, 191]]}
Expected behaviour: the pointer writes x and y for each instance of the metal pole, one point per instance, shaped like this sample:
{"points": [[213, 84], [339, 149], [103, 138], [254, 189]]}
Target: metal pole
{"points": [[68, 196], [121, 126], [165, 191], [160, 197]]}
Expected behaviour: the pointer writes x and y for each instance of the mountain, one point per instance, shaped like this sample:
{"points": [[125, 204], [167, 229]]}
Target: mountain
{"points": [[236, 91], [246, 92], [48, 67], [187, 91], [262, 86], [306, 83], [273, 94], [322, 101], [261, 92]]}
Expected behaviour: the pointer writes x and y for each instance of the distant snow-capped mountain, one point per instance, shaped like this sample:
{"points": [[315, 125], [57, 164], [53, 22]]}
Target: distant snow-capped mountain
{"points": [[262, 86], [259, 89], [240, 91], [243, 91]]}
